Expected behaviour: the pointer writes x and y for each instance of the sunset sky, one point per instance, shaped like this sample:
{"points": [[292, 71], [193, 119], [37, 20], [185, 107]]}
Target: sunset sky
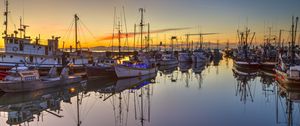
{"points": [[53, 17]]}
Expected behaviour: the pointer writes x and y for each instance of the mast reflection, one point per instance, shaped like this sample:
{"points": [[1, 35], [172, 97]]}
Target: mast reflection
{"points": [[120, 95], [244, 87], [23, 108], [287, 104]]}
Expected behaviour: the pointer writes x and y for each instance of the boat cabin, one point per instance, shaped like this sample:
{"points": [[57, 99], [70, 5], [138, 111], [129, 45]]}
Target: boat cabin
{"points": [[22, 74]]}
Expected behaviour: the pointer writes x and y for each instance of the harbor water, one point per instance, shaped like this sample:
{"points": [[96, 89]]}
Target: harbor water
{"points": [[184, 95]]}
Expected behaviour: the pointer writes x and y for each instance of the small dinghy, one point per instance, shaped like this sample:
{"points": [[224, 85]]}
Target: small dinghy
{"points": [[23, 79]]}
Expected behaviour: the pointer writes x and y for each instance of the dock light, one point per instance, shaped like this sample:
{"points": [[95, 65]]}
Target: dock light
{"points": [[72, 90]]}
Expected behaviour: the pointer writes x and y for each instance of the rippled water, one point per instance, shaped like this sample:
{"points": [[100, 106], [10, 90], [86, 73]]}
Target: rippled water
{"points": [[188, 95]]}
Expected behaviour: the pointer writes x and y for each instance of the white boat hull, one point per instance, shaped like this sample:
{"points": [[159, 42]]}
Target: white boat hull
{"points": [[20, 86], [127, 72], [286, 79]]}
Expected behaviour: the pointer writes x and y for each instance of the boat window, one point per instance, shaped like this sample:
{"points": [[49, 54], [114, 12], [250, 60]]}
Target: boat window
{"points": [[27, 74], [10, 40], [112, 61], [11, 56], [4, 55]]}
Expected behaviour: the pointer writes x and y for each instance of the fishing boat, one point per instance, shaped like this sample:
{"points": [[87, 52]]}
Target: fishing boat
{"points": [[288, 73], [184, 67], [169, 69], [288, 68], [142, 64], [246, 56], [198, 67], [23, 79], [217, 54], [19, 48], [268, 57], [134, 69], [200, 55], [103, 67], [168, 58], [184, 56]]}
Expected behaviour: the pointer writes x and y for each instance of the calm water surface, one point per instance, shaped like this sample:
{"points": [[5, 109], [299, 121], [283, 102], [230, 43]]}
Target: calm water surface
{"points": [[187, 95]]}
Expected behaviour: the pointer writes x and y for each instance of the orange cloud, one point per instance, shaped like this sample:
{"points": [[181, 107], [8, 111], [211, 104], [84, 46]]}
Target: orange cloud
{"points": [[131, 34]]}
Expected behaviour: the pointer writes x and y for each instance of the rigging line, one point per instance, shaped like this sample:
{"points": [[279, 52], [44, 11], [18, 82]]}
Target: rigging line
{"points": [[69, 111], [68, 30], [88, 111], [113, 33], [125, 23], [81, 35], [23, 11], [12, 21], [88, 30], [68, 34]]}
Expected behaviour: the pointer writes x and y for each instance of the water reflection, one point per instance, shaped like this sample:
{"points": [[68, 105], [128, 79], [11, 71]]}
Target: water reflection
{"points": [[22, 108], [120, 93], [267, 79], [184, 67], [177, 96], [287, 105], [244, 86]]}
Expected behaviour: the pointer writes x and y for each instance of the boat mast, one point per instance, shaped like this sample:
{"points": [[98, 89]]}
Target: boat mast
{"points": [[134, 34], [142, 10], [76, 32], [279, 39], [6, 18], [148, 38], [125, 23], [294, 34], [119, 37]]}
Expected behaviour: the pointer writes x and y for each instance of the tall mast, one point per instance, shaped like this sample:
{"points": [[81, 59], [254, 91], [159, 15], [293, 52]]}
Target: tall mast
{"points": [[76, 32], [134, 33], [113, 34], [20, 29], [279, 39], [294, 34], [119, 37], [148, 37], [142, 10], [6, 17], [296, 27]]}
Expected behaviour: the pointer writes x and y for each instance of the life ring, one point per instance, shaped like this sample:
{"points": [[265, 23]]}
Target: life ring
{"points": [[15, 49]]}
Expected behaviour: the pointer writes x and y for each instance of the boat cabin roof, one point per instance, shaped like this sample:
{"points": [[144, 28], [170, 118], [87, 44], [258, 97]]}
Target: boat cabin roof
{"points": [[19, 69]]}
